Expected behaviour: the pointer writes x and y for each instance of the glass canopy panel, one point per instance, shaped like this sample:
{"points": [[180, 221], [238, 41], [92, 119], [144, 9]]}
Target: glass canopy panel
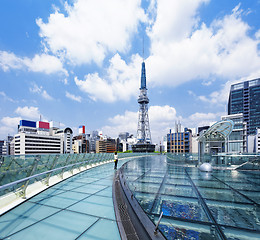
{"points": [[179, 192], [218, 131]]}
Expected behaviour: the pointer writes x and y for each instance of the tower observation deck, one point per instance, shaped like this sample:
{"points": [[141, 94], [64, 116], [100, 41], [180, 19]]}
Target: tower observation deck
{"points": [[143, 131]]}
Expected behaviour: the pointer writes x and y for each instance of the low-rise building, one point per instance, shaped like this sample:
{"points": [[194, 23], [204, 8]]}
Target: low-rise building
{"points": [[106, 145], [179, 142]]}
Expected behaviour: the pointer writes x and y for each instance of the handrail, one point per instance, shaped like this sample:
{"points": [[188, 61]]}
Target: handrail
{"points": [[71, 162], [37, 175]]}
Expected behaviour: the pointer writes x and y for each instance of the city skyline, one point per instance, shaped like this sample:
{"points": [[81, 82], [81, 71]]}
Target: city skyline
{"points": [[79, 62]]}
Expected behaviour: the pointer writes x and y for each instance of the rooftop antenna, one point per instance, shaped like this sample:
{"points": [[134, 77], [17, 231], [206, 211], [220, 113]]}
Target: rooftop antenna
{"points": [[143, 48]]}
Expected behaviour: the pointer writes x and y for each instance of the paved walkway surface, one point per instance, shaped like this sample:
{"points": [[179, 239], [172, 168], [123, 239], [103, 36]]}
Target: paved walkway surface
{"points": [[80, 207]]}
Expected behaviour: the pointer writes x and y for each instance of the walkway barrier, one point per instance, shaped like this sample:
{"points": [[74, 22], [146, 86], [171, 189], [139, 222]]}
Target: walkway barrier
{"points": [[221, 160], [18, 173]]}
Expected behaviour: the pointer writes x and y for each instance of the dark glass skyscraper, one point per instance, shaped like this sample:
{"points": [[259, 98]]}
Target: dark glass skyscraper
{"points": [[245, 98]]}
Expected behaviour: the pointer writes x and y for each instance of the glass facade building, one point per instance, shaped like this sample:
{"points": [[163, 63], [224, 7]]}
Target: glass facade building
{"points": [[245, 98]]}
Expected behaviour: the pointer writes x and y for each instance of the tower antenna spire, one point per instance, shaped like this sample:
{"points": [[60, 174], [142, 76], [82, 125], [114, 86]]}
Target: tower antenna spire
{"points": [[143, 47], [144, 141]]}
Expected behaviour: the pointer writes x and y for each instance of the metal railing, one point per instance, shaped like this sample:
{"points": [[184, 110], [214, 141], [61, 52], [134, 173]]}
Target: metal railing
{"points": [[235, 161], [17, 172]]}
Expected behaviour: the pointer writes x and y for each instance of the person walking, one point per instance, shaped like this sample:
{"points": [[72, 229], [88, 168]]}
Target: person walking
{"points": [[115, 160]]}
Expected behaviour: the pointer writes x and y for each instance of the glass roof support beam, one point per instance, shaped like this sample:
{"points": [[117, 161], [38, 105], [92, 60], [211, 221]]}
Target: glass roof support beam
{"points": [[141, 176], [206, 209], [156, 199], [238, 192]]}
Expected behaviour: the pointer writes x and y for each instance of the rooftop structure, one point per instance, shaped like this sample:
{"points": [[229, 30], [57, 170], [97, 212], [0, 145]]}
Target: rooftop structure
{"points": [[213, 140]]}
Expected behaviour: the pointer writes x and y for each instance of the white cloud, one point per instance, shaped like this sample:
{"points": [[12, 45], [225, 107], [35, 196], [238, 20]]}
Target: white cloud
{"points": [[8, 126], [11, 122], [73, 97], [202, 119], [121, 123], [6, 97], [9, 60], [43, 63], [162, 118], [90, 29], [46, 95], [192, 50], [221, 97], [32, 113], [120, 83], [174, 20], [39, 90]]}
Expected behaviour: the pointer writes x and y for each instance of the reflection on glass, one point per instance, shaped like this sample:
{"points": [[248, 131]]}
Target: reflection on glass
{"points": [[178, 192]]}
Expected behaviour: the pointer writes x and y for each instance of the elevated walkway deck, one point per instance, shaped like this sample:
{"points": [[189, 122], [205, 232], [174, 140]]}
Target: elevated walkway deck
{"points": [[80, 207]]}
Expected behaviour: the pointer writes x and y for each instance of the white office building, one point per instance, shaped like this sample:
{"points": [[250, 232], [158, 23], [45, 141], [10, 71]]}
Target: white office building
{"points": [[39, 138]]}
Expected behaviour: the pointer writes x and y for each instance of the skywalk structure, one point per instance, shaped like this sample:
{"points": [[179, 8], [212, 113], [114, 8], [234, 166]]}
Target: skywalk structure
{"points": [[143, 131]]}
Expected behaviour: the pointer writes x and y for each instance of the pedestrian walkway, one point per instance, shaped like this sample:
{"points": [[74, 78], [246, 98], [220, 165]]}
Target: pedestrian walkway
{"points": [[80, 207]]}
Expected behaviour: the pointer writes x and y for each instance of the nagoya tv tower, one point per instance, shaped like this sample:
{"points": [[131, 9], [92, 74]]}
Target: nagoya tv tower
{"points": [[143, 130]]}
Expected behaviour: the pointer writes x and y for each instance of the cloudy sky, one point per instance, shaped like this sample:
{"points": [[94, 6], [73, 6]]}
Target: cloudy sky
{"points": [[78, 62]]}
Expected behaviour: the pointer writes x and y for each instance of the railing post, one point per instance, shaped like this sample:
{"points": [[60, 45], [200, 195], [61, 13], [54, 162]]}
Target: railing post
{"points": [[1, 160], [22, 190], [62, 172], [47, 179]]}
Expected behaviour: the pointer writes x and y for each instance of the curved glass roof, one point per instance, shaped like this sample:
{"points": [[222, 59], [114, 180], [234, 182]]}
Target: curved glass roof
{"points": [[222, 204], [218, 131]]}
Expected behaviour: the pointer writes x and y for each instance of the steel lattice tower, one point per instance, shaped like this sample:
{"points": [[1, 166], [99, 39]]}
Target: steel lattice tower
{"points": [[143, 130]]}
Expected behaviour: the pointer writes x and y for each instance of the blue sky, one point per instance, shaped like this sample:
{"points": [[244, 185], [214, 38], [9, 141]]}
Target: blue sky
{"points": [[79, 62]]}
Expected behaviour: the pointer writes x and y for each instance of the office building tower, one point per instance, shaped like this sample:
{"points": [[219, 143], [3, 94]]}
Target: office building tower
{"points": [[245, 98], [92, 141]]}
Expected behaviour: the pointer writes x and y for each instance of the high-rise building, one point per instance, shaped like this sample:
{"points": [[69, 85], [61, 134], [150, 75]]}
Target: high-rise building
{"points": [[93, 137], [244, 98], [144, 143]]}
